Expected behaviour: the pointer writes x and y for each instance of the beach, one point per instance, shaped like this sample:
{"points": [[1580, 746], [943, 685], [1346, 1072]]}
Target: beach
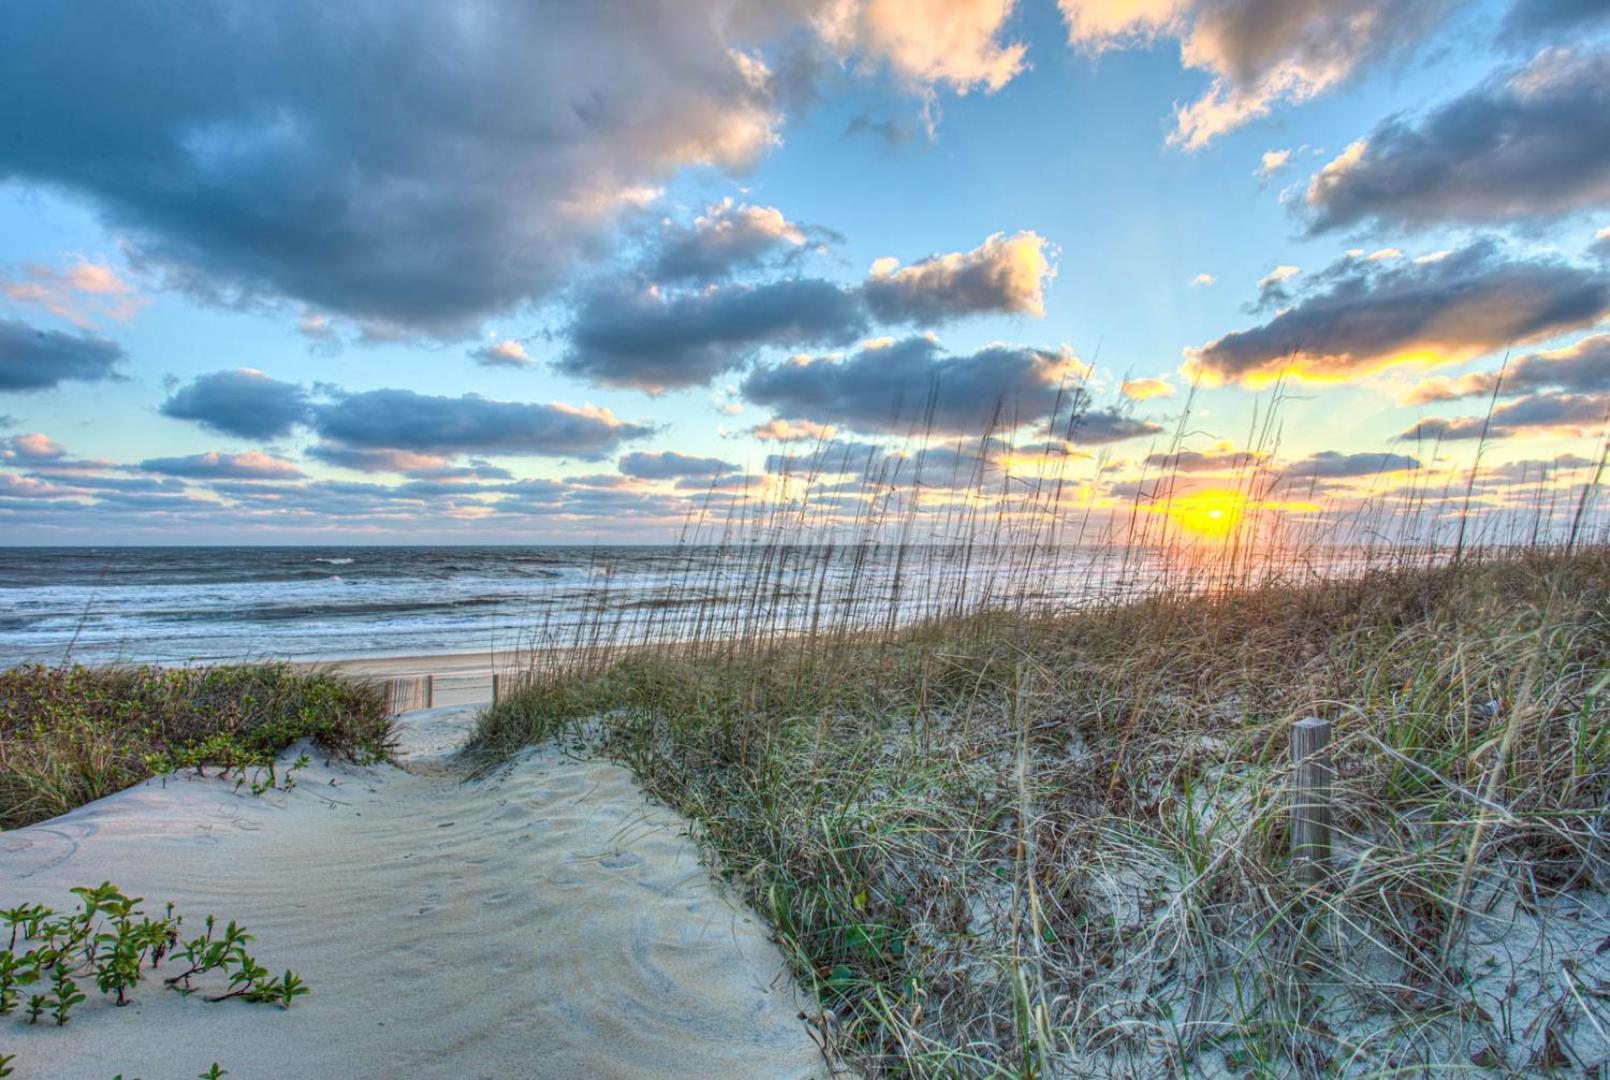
{"points": [[543, 920]]}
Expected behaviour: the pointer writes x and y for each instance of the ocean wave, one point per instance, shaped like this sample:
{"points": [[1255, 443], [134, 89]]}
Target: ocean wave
{"points": [[334, 562]]}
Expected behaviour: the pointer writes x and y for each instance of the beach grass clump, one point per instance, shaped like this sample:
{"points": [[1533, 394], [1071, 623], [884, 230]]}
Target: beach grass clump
{"points": [[70, 735], [1057, 844]]}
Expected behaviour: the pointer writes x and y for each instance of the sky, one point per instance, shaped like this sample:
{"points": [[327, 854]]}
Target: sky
{"points": [[504, 272]]}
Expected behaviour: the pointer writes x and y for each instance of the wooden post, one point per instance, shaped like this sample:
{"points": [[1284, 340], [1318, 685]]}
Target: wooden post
{"points": [[497, 686], [430, 692], [1310, 799]]}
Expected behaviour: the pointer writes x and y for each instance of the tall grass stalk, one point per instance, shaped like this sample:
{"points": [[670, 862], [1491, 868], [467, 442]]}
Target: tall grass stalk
{"points": [[1006, 771]]}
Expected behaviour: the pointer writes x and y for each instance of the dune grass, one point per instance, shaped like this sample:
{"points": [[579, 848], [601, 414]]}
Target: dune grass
{"points": [[1056, 845], [69, 735]]}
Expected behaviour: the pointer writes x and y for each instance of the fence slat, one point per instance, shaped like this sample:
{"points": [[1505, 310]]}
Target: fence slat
{"points": [[1311, 799]]}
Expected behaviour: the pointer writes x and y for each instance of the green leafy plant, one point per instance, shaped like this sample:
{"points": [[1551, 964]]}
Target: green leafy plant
{"points": [[111, 939]]}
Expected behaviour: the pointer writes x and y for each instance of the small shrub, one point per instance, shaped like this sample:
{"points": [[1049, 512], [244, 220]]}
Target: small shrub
{"points": [[71, 735]]}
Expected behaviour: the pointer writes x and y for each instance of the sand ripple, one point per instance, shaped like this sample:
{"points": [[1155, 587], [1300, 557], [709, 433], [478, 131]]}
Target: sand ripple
{"points": [[546, 921]]}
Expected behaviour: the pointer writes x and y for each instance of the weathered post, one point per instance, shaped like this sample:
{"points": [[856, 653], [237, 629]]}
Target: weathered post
{"points": [[430, 691], [497, 687], [1310, 799]]}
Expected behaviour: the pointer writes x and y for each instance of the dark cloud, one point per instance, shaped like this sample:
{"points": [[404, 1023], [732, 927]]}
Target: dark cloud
{"points": [[729, 237], [412, 166], [834, 457], [669, 465], [242, 402], [252, 465], [368, 460], [1530, 20], [475, 470], [1573, 414], [1204, 461], [1003, 275], [1527, 145], [623, 336], [629, 333], [32, 359], [1364, 314], [1336, 465], [726, 482], [913, 383], [1582, 367], [502, 354], [1098, 427], [404, 420], [891, 131]]}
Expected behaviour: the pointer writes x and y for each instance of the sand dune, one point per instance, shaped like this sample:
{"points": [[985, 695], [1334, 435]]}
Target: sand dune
{"points": [[544, 921]]}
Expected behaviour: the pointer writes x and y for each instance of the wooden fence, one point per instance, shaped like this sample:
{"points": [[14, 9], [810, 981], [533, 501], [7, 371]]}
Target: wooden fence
{"points": [[410, 693]]}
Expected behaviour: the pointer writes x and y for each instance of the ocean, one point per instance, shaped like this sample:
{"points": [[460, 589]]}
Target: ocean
{"points": [[175, 605], [210, 604]]}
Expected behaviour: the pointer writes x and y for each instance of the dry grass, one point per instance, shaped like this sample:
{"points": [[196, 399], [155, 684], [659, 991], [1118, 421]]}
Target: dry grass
{"points": [[1053, 845], [69, 735]]}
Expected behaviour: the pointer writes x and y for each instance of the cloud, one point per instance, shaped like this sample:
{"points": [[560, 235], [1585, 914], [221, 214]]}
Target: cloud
{"points": [[502, 354], [669, 465], [892, 131], [416, 167], [1203, 281], [955, 43], [725, 238], [1003, 275], [914, 383], [370, 460], [404, 420], [1582, 367], [643, 339], [475, 470], [242, 402], [32, 359], [1146, 389], [1272, 162], [1098, 427], [1526, 145], [1529, 20], [1601, 244], [1336, 465], [1273, 293], [32, 449], [1199, 461], [1360, 316], [779, 430], [627, 333], [252, 465], [82, 294], [1541, 414], [1259, 53]]}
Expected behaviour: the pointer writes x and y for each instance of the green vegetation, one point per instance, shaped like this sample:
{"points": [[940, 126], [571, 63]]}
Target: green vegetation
{"points": [[1035, 844], [112, 941], [72, 735]]}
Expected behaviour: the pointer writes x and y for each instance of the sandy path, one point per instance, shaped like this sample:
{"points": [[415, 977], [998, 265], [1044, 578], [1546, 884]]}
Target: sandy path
{"points": [[461, 678], [546, 921]]}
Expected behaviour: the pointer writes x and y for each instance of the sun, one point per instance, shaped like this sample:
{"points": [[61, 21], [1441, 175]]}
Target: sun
{"points": [[1209, 515]]}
